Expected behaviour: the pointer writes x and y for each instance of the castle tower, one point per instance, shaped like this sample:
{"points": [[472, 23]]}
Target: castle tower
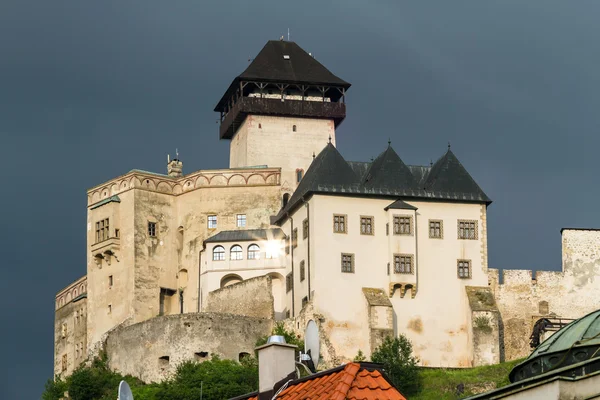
{"points": [[281, 110]]}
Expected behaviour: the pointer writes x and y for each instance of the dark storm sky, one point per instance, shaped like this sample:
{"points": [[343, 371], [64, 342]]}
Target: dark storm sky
{"points": [[91, 90]]}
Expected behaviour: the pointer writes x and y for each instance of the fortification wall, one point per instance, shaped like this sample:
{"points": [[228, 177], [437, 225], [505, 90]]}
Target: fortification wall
{"points": [[252, 297], [525, 297], [151, 350]]}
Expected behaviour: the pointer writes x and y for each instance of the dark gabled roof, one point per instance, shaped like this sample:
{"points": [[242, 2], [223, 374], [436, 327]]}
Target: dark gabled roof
{"points": [[387, 177], [246, 235], [271, 66], [449, 175], [110, 199], [400, 205], [388, 170]]}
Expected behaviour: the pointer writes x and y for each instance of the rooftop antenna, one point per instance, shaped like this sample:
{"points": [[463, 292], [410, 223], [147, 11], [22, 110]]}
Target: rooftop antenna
{"points": [[177, 154], [288, 34], [168, 158]]}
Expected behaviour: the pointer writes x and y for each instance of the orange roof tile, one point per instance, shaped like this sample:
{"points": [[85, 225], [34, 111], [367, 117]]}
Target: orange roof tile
{"points": [[352, 382]]}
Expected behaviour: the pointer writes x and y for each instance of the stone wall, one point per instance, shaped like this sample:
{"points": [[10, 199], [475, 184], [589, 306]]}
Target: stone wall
{"points": [[523, 297], [151, 350], [486, 326], [252, 298]]}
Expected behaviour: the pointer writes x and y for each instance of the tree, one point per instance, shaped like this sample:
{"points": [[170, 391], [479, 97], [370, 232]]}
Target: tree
{"points": [[399, 364], [290, 337], [55, 389]]}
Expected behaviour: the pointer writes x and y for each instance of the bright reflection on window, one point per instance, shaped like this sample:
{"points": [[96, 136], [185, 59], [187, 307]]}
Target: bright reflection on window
{"points": [[273, 249]]}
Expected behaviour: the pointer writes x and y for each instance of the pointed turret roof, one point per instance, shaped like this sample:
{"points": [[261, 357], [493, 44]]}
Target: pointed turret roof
{"points": [[449, 175], [388, 170]]}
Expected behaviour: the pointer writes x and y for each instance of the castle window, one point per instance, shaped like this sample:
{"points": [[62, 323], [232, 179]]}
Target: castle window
{"points": [[110, 308], [163, 361], [64, 362], [236, 252], [366, 225], [305, 228], [117, 233], [464, 269], [304, 301], [110, 281], [212, 222], [152, 229], [64, 330], [467, 230], [299, 175], [253, 252], [243, 355], [403, 264], [102, 232], [289, 282], [347, 262], [201, 355], [435, 228], [295, 238], [339, 223], [259, 126], [294, 128], [402, 225], [219, 253], [241, 220], [302, 271]]}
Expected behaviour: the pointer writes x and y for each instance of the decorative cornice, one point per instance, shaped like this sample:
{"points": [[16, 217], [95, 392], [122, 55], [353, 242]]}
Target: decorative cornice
{"points": [[71, 292]]}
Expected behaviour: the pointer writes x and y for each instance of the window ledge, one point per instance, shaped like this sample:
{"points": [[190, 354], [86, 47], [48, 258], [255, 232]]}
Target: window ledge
{"points": [[113, 243]]}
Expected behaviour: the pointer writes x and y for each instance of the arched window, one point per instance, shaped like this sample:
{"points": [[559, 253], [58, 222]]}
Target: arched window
{"points": [[299, 175], [294, 128], [285, 199], [253, 252], [219, 253], [236, 252]]}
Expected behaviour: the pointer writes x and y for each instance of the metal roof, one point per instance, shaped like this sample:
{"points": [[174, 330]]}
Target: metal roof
{"points": [[247, 235]]}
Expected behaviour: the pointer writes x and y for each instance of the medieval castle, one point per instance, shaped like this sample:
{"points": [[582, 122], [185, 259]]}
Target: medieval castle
{"points": [[180, 266]]}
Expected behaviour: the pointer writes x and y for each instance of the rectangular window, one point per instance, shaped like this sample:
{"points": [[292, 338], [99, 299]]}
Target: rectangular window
{"points": [[402, 225], [347, 262], [152, 229], [212, 222], [464, 269], [117, 233], [110, 281], [467, 230], [295, 238], [289, 282], [64, 362], [387, 229], [302, 271], [305, 228], [366, 225], [241, 221], [435, 228], [110, 308], [403, 264], [287, 246], [339, 223], [102, 230]]}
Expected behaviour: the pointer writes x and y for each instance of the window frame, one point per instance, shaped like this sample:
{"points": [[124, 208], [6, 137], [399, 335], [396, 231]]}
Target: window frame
{"points": [[305, 227], [152, 229], [240, 218], [302, 271], [210, 219], [295, 238], [238, 251], [397, 266], [214, 252], [254, 252], [459, 267], [372, 218], [102, 230], [400, 224], [289, 282], [345, 223], [352, 266], [475, 229], [441, 228]]}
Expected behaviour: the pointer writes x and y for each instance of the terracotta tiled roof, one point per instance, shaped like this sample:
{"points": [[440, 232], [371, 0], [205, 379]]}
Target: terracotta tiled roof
{"points": [[352, 382]]}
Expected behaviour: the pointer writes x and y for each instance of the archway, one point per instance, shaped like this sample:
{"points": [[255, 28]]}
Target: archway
{"points": [[230, 279]]}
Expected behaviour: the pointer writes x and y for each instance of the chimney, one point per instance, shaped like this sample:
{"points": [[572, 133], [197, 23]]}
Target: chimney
{"points": [[175, 168], [276, 360]]}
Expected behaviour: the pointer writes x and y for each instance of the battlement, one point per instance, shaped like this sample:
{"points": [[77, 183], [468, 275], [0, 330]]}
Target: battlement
{"points": [[137, 179], [73, 291]]}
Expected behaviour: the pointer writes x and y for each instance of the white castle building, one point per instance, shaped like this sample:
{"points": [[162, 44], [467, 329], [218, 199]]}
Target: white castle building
{"points": [[365, 249]]}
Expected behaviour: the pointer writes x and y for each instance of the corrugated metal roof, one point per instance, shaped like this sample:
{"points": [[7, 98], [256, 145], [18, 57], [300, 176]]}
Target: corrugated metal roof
{"points": [[247, 235]]}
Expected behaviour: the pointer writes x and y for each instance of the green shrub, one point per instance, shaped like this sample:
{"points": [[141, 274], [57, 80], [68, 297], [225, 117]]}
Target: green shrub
{"points": [[399, 364]]}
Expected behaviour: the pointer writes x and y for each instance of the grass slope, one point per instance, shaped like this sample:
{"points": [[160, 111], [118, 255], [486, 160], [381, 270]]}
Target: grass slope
{"points": [[440, 383]]}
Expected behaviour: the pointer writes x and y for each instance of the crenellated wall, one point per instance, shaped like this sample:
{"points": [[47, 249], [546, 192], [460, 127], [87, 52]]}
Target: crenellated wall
{"points": [[524, 296]]}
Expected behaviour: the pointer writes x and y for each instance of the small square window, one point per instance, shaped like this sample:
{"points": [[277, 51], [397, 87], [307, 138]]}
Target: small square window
{"points": [[241, 220], [110, 281], [464, 269], [152, 229], [467, 230], [435, 228], [366, 225], [289, 282], [403, 264], [347, 262], [402, 225], [305, 228], [212, 222], [339, 223], [302, 271]]}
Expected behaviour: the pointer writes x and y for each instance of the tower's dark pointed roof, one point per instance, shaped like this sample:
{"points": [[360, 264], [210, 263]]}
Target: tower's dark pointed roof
{"points": [[449, 175], [284, 62], [388, 170], [386, 177]]}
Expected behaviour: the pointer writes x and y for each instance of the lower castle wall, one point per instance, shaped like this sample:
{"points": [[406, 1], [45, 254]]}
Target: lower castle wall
{"points": [[151, 350], [252, 297]]}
